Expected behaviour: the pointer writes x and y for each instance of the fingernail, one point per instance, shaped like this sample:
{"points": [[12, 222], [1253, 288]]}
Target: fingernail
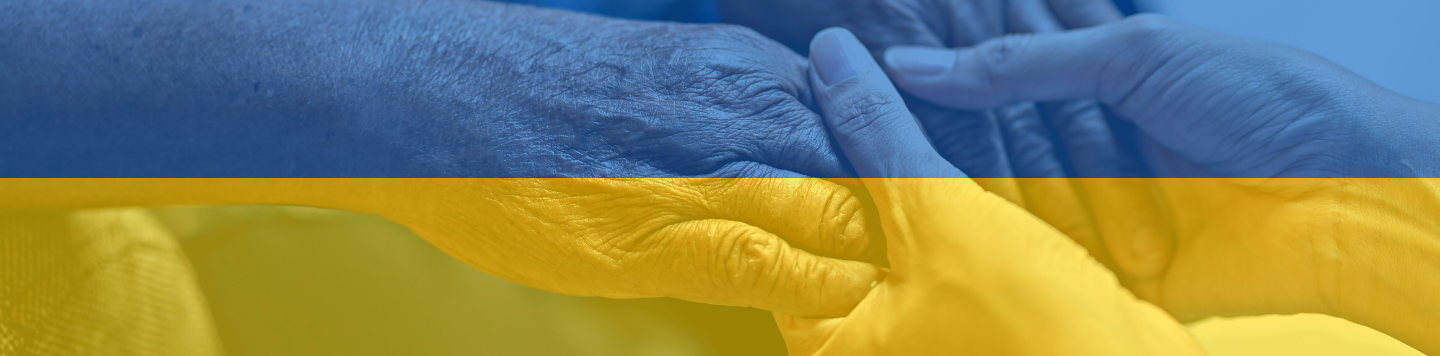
{"points": [[837, 55], [919, 61]]}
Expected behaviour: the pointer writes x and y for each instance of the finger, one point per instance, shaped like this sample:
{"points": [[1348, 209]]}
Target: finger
{"points": [[865, 113], [1085, 13], [1089, 142], [1027, 138], [1117, 213], [974, 142], [1133, 223], [802, 145], [730, 263], [970, 140], [1031, 152], [1061, 203], [973, 21], [786, 133], [816, 215], [1129, 212], [1106, 62], [1031, 16]]}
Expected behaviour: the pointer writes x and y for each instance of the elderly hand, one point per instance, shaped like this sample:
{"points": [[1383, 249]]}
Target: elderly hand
{"points": [[615, 98], [1010, 142], [746, 242], [777, 244], [1212, 105], [970, 272], [1026, 140], [602, 97], [458, 88]]}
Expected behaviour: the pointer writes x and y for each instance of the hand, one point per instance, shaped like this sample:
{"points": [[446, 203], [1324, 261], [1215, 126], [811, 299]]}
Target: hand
{"points": [[604, 97], [458, 88], [377, 88], [1002, 143], [614, 98], [1259, 110], [996, 144], [1211, 105], [776, 244], [764, 243], [970, 272]]}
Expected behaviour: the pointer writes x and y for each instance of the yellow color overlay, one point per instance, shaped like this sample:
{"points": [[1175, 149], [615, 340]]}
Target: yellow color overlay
{"points": [[80, 277]]}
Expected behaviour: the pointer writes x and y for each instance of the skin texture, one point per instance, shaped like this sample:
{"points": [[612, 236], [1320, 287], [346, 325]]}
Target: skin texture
{"points": [[1115, 220], [1211, 105], [619, 238], [1014, 141], [382, 88], [636, 238], [970, 271]]}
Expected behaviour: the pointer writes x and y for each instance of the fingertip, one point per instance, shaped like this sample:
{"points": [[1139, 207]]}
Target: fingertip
{"points": [[836, 55], [916, 61]]}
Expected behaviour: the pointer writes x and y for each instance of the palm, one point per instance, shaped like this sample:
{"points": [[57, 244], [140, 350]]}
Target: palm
{"points": [[1244, 247]]}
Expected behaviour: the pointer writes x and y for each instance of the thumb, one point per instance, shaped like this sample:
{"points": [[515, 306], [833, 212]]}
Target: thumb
{"points": [[1107, 62], [865, 113]]}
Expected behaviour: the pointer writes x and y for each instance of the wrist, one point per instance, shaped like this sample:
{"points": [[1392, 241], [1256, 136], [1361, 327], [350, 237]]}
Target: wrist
{"points": [[1386, 241], [1389, 135]]}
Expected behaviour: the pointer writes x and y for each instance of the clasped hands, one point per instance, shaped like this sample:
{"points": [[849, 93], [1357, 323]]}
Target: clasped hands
{"points": [[1095, 267]]}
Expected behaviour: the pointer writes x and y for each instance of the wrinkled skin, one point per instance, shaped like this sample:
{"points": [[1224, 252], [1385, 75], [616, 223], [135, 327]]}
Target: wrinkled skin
{"points": [[431, 89], [718, 241], [1008, 142], [776, 244], [460, 89], [970, 271], [1211, 105], [638, 99], [994, 144]]}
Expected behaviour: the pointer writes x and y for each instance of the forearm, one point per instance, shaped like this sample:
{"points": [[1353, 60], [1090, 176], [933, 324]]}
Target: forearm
{"points": [[255, 88]]}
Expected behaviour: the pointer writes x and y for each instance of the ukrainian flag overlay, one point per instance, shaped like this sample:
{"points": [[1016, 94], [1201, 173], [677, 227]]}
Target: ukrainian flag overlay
{"points": [[116, 281], [626, 177]]}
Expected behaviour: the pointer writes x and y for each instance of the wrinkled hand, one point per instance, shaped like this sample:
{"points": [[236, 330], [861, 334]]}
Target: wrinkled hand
{"points": [[1212, 105], [1014, 141], [970, 271], [1026, 140], [743, 242], [585, 96]]}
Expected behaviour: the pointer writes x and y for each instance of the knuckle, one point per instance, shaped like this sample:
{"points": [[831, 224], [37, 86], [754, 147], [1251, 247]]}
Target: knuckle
{"points": [[996, 56], [749, 259], [842, 213], [863, 112]]}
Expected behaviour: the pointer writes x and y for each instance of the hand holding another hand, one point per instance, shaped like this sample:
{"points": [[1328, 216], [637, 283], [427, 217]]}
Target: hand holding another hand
{"points": [[1210, 105], [788, 245], [969, 270]]}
